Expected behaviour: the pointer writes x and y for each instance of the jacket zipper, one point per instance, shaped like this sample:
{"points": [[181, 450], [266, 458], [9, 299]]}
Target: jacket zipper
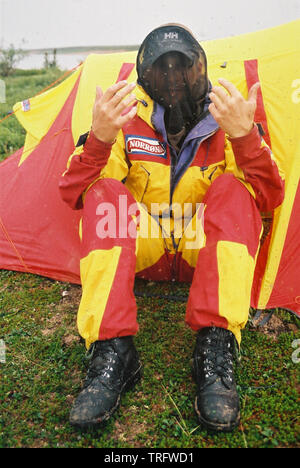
{"points": [[172, 189], [147, 183], [172, 174]]}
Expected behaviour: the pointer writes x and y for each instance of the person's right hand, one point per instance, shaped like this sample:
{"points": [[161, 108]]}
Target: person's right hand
{"points": [[108, 109]]}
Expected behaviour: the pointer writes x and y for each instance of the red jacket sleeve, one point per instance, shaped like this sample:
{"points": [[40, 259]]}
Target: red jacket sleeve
{"points": [[85, 166], [254, 157]]}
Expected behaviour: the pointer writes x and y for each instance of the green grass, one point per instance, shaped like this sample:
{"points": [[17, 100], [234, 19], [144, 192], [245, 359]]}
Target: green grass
{"points": [[23, 85], [45, 365], [45, 362]]}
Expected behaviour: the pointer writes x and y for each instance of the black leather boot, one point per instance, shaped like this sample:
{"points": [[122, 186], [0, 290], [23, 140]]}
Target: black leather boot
{"points": [[217, 401], [114, 368]]}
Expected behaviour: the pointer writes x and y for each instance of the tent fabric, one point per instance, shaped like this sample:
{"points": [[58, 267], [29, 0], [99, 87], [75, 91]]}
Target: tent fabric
{"points": [[39, 233]]}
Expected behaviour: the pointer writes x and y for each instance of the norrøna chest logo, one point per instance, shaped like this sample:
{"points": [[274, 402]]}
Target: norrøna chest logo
{"points": [[143, 145]]}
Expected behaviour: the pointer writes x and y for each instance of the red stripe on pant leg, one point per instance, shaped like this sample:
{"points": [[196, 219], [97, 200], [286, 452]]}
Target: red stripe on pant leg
{"points": [[203, 303], [230, 215], [119, 317], [109, 199], [251, 70]]}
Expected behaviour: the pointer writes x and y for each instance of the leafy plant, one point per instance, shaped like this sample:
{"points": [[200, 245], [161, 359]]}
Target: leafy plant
{"points": [[9, 58]]}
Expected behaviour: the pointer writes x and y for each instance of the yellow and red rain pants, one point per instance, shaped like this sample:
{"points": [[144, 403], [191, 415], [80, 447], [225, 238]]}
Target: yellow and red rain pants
{"points": [[221, 270]]}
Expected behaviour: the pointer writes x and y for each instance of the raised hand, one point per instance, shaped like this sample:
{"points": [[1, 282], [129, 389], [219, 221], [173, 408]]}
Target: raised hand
{"points": [[108, 111], [234, 114]]}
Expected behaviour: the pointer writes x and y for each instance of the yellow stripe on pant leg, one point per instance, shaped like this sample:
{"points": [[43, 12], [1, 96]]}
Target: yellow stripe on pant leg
{"points": [[193, 238], [150, 246], [236, 270], [97, 272]]}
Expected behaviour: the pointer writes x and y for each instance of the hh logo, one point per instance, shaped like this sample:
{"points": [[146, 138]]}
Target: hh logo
{"points": [[171, 35], [142, 145]]}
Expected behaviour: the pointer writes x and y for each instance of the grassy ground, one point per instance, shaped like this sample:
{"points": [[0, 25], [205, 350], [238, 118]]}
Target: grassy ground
{"points": [[23, 85], [45, 364]]}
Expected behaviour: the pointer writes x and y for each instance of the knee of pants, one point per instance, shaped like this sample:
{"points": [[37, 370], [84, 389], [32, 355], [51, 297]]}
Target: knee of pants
{"points": [[108, 213], [231, 213], [226, 187]]}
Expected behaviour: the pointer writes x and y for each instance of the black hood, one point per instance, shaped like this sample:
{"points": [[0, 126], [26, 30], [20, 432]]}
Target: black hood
{"points": [[174, 40], [167, 38]]}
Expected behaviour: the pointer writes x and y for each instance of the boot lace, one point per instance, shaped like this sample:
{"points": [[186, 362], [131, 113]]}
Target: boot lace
{"points": [[217, 355], [103, 359]]}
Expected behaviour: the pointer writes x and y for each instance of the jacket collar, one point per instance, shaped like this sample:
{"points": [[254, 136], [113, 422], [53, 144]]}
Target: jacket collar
{"points": [[153, 114], [145, 105]]}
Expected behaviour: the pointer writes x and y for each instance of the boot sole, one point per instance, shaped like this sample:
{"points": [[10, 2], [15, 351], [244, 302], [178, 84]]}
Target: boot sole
{"points": [[215, 427], [128, 385]]}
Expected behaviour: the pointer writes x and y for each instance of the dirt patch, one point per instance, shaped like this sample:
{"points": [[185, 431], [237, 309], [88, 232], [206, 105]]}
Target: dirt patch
{"points": [[128, 432], [72, 295], [63, 315], [70, 339], [53, 324], [274, 327]]}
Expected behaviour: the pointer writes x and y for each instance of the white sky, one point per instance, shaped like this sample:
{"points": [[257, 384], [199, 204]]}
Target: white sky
{"points": [[62, 23]]}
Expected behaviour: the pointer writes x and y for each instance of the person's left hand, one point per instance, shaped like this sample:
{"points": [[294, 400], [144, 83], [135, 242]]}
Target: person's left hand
{"points": [[233, 113]]}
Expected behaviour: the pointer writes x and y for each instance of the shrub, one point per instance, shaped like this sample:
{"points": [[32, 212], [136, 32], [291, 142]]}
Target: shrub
{"points": [[11, 140], [9, 59]]}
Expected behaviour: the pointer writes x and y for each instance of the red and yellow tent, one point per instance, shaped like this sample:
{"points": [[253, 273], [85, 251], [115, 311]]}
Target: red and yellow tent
{"points": [[39, 233]]}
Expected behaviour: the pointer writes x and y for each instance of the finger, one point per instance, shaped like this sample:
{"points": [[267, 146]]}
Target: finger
{"points": [[112, 90], [126, 118], [122, 93], [214, 111], [125, 103], [99, 93], [218, 97], [252, 96], [233, 91], [220, 92]]}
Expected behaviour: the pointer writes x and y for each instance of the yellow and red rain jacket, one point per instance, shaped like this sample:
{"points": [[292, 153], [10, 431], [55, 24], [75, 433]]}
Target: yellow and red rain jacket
{"points": [[159, 178]]}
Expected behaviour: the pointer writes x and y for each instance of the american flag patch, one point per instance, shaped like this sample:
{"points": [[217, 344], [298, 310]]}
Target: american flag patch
{"points": [[26, 105]]}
